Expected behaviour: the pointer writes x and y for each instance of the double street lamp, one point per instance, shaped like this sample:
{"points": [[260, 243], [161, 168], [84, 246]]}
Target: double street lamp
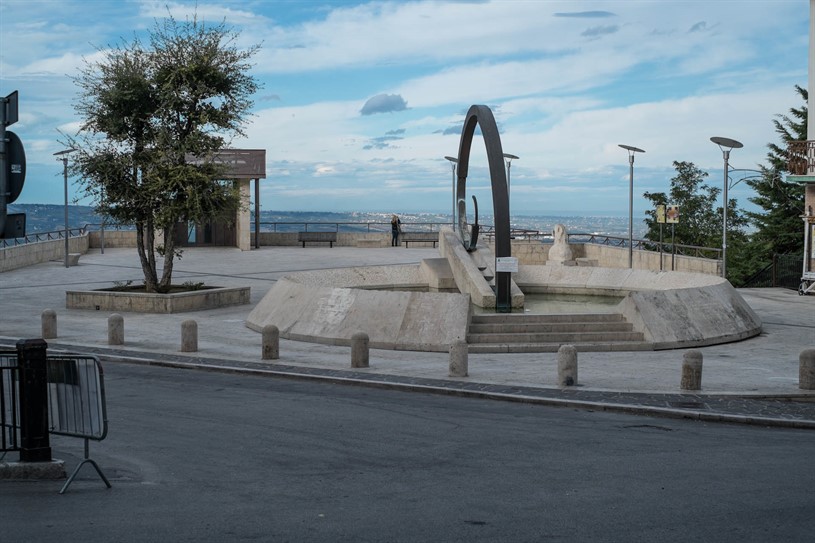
{"points": [[508, 158], [453, 162], [631, 150], [725, 144], [63, 156]]}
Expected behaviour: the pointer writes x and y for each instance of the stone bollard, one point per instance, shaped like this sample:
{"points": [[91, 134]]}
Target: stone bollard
{"points": [[359, 350], [691, 371], [189, 336], [567, 366], [49, 324], [459, 364], [271, 342], [806, 370], [116, 330]]}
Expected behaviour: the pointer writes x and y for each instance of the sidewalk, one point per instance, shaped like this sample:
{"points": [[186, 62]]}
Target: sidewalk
{"points": [[754, 381]]}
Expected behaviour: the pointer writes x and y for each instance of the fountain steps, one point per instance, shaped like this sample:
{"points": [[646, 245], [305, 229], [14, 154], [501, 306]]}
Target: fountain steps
{"points": [[495, 333]]}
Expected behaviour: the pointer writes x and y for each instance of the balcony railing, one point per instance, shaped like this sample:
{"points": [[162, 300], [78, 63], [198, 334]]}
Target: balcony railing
{"points": [[801, 157]]}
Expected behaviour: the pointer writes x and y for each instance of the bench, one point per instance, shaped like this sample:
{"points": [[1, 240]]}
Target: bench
{"points": [[419, 237], [330, 237]]}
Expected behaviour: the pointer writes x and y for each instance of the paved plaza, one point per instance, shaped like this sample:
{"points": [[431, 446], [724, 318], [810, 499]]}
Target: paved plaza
{"points": [[755, 380]]}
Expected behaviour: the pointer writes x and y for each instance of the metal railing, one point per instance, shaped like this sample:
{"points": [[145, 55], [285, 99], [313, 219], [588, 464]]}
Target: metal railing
{"points": [[487, 233], [41, 236], [350, 227], [801, 157]]}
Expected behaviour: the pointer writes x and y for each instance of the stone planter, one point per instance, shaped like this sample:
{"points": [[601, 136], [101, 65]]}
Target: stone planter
{"points": [[141, 302]]}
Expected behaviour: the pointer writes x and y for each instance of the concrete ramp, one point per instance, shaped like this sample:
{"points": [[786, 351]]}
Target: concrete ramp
{"points": [[393, 319]]}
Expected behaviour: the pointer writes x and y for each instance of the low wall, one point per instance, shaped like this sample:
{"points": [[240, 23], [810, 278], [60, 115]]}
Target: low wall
{"points": [[535, 253], [20, 256], [114, 239]]}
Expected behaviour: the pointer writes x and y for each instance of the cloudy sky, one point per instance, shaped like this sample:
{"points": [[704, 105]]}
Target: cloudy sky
{"points": [[361, 101]]}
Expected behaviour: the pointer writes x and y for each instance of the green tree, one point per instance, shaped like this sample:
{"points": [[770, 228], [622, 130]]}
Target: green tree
{"points": [[778, 227], [152, 121], [700, 221]]}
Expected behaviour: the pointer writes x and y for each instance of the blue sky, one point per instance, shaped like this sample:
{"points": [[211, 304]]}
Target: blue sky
{"points": [[361, 101]]}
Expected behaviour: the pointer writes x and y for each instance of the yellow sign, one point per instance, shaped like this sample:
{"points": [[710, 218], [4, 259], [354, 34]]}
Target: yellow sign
{"points": [[661, 213]]}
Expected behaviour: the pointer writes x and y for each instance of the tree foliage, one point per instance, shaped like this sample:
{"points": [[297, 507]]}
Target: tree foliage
{"points": [[778, 228], [700, 222], [153, 118]]}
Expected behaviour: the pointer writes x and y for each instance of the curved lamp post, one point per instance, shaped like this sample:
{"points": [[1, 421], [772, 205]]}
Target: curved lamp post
{"points": [[63, 157], [631, 150], [725, 144], [453, 162], [508, 158]]}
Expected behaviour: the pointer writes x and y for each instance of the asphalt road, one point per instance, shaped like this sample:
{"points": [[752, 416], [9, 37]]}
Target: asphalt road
{"points": [[199, 456]]}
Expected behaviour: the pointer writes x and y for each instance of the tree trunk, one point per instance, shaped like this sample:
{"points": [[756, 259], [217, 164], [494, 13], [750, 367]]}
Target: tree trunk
{"points": [[148, 265], [169, 257]]}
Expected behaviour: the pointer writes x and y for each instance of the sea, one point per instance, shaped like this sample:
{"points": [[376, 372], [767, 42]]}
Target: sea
{"points": [[51, 217]]}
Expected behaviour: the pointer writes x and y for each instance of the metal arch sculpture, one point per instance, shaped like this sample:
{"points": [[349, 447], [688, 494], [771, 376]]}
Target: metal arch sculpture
{"points": [[479, 115]]}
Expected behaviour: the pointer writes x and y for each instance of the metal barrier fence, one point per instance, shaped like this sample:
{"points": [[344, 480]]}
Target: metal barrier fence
{"points": [[73, 400], [76, 403], [9, 408]]}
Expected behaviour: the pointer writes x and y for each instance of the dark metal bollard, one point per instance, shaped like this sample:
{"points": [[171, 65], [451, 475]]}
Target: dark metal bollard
{"points": [[49, 324], [35, 445], [691, 371], [359, 350], [189, 336], [806, 369], [271, 342], [116, 330]]}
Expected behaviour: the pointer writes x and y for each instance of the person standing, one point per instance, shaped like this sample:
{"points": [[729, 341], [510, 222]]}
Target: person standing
{"points": [[396, 229]]}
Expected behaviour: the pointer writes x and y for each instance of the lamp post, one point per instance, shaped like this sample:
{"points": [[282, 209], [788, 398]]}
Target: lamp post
{"points": [[63, 156], [631, 150], [453, 162], [509, 159], [725, 144]]}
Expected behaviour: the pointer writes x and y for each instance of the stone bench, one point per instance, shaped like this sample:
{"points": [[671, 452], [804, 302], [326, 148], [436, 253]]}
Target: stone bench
{"points": [[73, 259], [419, 237], [330, 237]]}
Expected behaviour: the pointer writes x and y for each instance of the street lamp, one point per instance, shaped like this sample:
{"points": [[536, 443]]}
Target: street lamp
{"points": [[725, 144], [63, 156], [453, 162], [631, 150], [509, 159]]}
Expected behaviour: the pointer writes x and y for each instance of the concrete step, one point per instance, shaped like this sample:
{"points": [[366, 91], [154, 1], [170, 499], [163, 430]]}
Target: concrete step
{"points": [[521, 318], [556, 337], [519, 332], [553, 347], [538, 327]]}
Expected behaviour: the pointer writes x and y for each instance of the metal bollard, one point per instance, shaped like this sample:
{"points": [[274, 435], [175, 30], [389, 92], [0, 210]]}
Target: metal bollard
{"points": [[189, 336], [806, 369], [35, 445], [49, 324], [271, 342], [359, 350], [567, 366], [459, 363], [691, 371], [116, 330]]}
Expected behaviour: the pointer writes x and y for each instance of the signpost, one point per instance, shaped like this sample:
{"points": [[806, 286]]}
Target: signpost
{"points": [[12, 160]]}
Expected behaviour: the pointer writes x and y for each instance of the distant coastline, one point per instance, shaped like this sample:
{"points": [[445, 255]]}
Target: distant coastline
{"points": [[51, 217]]}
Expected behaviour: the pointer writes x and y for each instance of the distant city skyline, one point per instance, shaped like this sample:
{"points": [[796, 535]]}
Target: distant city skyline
{"points": [[361, 101]]}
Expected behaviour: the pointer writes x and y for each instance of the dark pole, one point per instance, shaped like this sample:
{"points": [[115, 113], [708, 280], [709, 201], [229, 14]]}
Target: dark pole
{"points": [[34, 439], [257, 213]]}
